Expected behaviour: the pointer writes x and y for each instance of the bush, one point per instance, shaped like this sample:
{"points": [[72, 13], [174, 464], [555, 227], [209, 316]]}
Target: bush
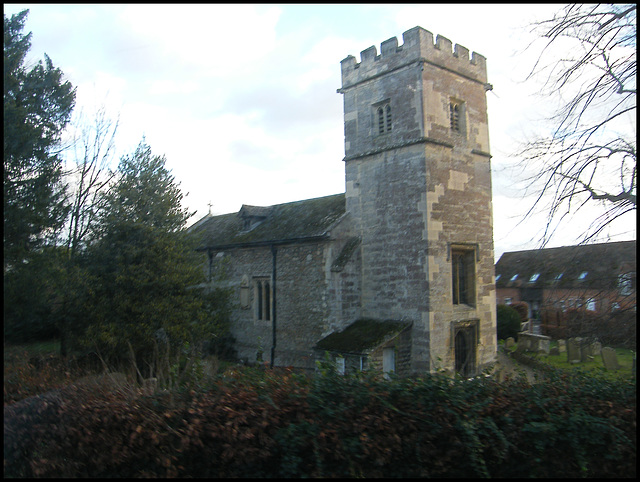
{"points": [[508, 322], [274, 423], [522, 307]]}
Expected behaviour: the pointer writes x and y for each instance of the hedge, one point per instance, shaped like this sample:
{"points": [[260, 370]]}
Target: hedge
{"points": [[277, 423]]}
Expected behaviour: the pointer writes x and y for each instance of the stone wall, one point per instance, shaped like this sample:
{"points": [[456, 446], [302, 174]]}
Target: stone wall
{"points": [[311, 300]]}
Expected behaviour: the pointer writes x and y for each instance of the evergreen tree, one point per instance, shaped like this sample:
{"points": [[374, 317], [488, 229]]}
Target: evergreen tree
{"points": [[145, 268], [37, 107]]}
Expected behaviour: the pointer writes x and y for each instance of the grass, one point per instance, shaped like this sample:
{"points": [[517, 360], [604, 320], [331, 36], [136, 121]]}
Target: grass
{"points": [[34, 368], [625, 359], [34, 349]]}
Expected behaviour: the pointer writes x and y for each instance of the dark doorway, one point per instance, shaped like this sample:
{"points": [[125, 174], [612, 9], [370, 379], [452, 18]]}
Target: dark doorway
{"points": [[465, 351]]}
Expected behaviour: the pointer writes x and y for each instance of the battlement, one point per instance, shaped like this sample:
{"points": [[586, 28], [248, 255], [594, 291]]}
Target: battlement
{"points": [[418, 46]]}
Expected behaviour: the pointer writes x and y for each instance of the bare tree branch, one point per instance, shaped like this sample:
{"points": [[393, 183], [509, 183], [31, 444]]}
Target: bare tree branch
{"points": [[589, 155]]}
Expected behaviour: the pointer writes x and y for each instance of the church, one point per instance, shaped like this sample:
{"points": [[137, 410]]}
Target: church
{"points": [[397, 273]]}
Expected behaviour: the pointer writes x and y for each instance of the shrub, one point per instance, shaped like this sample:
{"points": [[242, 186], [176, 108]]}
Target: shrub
{"points": [[522, 307], [274, 423], [508, 322]]}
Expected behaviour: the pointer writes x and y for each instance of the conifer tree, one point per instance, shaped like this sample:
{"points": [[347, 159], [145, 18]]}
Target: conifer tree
{"points": [[37, 107], [146, 269]]}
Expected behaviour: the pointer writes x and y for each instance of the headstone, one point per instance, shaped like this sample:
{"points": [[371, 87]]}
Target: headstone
{"points": [[562, 346], [509, 342], [585, 352], [523, 343], [573, 350], [610, 359], [544, 344], [596, 348], [554, 350]]}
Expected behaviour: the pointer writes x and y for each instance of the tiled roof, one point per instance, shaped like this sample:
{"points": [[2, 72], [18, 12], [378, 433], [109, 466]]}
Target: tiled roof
{"points": [[298, 220], [591, 265], [361, 336]]}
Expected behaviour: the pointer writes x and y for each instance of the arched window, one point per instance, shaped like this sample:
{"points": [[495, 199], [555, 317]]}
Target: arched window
{"points": [[262, 299], [382, 117], [454, 116]]}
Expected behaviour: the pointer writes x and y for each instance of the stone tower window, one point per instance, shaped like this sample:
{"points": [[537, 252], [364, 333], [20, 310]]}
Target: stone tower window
{"points": [[383, 117], [463, 276], [456, 116]]}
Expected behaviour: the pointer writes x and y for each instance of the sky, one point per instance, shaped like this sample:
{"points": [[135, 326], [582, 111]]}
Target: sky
{"points": [[241, 99]]}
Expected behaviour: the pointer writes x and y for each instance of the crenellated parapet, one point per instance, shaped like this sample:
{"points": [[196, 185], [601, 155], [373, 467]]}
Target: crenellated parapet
{"points": [[418, 45]]}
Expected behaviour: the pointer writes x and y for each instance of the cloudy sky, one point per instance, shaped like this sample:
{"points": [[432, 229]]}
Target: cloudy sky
{"points": [[241, 99]]}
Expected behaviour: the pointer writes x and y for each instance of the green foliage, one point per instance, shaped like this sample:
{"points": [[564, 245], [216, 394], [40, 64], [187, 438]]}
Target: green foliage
{"points": [[522, 307], [275, 423], [32, 297], [508, 322], [37, 107], [145, 301]]}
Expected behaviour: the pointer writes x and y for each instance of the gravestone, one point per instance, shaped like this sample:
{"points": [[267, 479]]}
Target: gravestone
{"points": [[610, 359], [585, 352], [554, 350], [596, 348], [573, 350], [562, 346], [509, 342], [523, 343]]}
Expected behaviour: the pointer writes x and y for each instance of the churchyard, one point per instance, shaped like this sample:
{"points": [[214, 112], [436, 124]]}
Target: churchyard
{"points": [[592, 357]]}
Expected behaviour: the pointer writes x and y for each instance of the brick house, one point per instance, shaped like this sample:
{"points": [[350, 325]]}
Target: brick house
{"points": [[598, 278], [397, 272]]}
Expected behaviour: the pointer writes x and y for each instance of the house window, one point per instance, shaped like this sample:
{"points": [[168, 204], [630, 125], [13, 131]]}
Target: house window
{"points": [[383, 117], [626, 284], [340, 365], [463, 276], [591, 304], [456, 116], [514, 277], [583, 275], [534, 278], [508, 301], [262, 299], [558, 277]]}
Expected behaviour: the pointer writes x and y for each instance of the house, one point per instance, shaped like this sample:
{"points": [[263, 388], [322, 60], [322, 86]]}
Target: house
{"points": [[396, 272], [599, 278]]}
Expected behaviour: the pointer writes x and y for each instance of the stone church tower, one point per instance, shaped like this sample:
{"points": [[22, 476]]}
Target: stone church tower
{"points": [[418, 191]]}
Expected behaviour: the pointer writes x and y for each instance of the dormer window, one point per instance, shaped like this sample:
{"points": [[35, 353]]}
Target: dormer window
{"points": [[514, 277], [382, 113], [583, 275], [253, 216], [534, 277]]}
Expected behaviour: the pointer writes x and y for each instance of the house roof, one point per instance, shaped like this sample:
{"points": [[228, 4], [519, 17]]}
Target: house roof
{"points": [[361, 336], [591, 265], [300, 220]]}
